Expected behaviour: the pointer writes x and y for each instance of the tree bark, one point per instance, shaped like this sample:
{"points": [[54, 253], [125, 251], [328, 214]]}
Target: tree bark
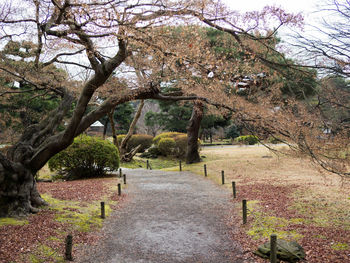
{"points": [[192, 154], [19, 195]]}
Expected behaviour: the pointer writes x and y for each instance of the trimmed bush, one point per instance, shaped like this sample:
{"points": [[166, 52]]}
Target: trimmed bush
{"points": [[180, 148], [86, 157], [247, 139], [166, 146], [136, 139], [154, 150], [166, 135], [180, 145]]}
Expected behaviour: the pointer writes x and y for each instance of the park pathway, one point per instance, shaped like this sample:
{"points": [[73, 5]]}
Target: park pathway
{"points": [[170, 217]]}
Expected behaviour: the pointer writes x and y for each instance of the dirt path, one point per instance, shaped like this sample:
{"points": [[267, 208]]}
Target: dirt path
{"points": [[171, 217]]}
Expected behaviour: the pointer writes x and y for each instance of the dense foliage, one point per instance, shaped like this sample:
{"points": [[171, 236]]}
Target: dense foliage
{"points": [[176, 144], [166, 146], [86, 157]]}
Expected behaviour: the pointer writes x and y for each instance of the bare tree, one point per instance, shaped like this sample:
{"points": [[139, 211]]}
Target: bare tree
{"points": [[99, 37]]}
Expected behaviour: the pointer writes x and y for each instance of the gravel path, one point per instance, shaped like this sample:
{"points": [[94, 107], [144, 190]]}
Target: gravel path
{"points": [[171, 217]]}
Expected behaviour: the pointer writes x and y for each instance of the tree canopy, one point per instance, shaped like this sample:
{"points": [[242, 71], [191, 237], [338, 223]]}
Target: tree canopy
{"points": [[129, 50]]}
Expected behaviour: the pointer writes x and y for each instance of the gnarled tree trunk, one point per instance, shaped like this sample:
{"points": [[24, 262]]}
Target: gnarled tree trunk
{"points": [[19, 195], [192, 155]]}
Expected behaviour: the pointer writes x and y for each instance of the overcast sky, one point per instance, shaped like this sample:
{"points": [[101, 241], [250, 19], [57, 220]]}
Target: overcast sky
{"points": [[304, 6]]}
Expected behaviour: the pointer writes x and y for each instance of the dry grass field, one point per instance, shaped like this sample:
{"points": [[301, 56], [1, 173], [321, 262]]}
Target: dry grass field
{"points": [[286, 195]]}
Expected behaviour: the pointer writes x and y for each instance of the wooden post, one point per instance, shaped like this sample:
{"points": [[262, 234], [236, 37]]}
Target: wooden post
{"points": [[180, 165], [223, 177], [273, 248], [244, 210], [68, 248], [120, 172], [234, 189], [103, 214], [205, 170], [124, 178], [119, 189], [147, 164]]}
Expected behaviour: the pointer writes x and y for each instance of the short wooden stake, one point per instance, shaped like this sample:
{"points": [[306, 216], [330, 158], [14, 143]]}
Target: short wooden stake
{"points": [[234, 189], [147, 164], [103, 214], [205, 170], [223, 177], [273, 248], [119, 189], [180, 166], [124, 178], [68, 248], [244, 210], [120, 172]]}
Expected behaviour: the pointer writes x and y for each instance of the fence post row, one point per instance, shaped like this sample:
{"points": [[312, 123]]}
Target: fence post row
{"points": [[120, 172], [205, 170], [180, 164], [223, 177], [124, 178], [147, 164]]}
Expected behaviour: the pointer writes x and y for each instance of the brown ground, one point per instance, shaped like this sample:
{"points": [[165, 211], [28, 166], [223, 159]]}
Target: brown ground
{"points": [[19, 243]]}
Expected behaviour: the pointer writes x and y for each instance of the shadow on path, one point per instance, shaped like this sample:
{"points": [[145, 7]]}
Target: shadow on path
{"points": [[171, 217]]}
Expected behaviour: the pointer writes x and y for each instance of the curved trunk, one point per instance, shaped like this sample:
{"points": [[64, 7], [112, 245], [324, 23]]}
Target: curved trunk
{"points": [[192, 154], [124, 154], [18, 193]]}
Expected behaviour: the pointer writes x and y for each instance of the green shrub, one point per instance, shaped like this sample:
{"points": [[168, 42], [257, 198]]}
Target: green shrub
{"points": [[154, 150], [180, 145], [136, 139], [166, 146], [166, 135], [86, 157], [247, 139]]}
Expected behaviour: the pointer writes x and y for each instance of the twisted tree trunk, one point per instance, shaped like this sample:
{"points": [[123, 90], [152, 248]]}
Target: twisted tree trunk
{"points": [[192, 155]]}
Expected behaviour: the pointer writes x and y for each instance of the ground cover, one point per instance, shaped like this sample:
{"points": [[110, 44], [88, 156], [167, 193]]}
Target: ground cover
{"points": [[74, 209]]}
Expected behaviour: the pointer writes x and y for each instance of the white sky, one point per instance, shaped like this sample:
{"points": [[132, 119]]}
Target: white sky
{"points": [[304, 6]]}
